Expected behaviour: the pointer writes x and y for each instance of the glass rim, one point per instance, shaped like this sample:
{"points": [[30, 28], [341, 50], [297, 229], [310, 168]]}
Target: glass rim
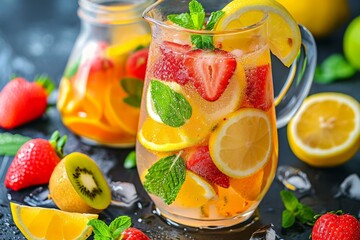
{"points": [[175, 27]]}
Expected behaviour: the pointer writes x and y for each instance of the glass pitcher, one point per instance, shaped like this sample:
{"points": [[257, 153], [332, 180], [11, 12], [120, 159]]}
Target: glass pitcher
{"points": [[100, 91], [207, 152]]}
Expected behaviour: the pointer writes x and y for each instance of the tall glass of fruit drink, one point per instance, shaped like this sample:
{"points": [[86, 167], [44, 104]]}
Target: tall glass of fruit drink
{"points": [[207, 146], [100, 91]]}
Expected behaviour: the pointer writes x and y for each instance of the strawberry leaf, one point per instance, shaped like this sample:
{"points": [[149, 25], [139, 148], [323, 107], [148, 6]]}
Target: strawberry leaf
{"points": [[165, 178], [10, 143]]}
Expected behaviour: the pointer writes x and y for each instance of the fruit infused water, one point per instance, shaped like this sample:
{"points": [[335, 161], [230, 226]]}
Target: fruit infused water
{"points": [[207, 146], [100, 92]]}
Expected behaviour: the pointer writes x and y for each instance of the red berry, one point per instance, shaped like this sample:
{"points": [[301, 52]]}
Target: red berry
{"points": [[210, 71], [259, 89], [34, 163], [136, 64], [200, 162], [21, 102], [134, 234], [332, 226], [170, 66]]}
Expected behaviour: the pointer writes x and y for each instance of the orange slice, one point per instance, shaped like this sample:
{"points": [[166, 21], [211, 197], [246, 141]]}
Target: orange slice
{"points": [[195, 191], [46, 223], [249, 187], [120, 114]]}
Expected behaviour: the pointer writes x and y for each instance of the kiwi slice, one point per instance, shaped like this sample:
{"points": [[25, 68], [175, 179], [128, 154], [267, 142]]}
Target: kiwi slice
{"points": [[88, 180]]}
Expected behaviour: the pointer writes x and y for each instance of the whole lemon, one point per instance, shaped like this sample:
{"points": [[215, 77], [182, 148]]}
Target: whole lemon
{"points": [[352, 43], [321, 17]]}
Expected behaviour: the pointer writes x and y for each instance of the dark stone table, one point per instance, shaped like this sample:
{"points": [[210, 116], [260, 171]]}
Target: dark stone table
{"points": [[37, 36]]}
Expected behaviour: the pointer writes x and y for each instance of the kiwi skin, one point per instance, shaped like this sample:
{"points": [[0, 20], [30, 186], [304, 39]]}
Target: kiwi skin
{"points": [[66, 193]]}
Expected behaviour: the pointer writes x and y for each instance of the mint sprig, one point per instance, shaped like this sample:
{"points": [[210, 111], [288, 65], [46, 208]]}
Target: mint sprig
{"points": [[111, 232], [165, 178], [133, 87], [10, 143], [294, 210], [334, 68], [172, 107], [130, 160], [195, 20]]}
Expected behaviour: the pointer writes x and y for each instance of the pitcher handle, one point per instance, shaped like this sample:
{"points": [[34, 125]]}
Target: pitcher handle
{"points": [[302, 70]]}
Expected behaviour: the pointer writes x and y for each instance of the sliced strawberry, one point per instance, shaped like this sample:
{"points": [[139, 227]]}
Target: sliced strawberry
{"points": [[201, 163], [136, 64], [170, 66], [259, 90], [210, 71]]}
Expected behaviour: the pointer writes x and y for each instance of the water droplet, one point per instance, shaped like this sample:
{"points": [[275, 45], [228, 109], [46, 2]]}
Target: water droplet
{"points": [[39, 198], [123, 194], [350, 187], [293, 179]]}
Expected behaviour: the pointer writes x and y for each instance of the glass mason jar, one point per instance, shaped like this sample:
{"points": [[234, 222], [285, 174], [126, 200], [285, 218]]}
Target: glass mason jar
{"points": [[100, 91]]}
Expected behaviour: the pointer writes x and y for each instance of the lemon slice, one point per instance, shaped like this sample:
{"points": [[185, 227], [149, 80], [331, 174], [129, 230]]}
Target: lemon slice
{"points": [[242, 143], [284, 33], [195, 191], [325, 132], [45, 223]]}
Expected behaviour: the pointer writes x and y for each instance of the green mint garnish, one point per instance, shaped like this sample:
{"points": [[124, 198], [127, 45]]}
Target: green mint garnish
{"points": [[10, 143], [172, 107], [334, 68], [71, 70], [165, 178], [195, 20], [294, 210], [103, 232], [133, 87], [130, 160]]}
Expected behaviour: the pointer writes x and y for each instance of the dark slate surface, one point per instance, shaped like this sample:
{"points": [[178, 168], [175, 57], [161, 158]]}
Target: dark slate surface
{"points": [[37, 37]]}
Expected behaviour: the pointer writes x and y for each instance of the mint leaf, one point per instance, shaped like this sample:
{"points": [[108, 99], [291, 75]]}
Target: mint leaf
{"points": [[71, 70], [165, 178], [172, 107], [213, 19], [334, 68], [100, 229], [289, 200], [304, 213], [183, 20], [197, 14], [10, 143], [133, 87], [288, 219], [130, 160], [118, 225], [196, 20]]}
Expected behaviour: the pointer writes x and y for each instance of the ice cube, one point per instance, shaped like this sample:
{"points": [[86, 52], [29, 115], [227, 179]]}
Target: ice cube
{"points": [[264, 233], [123, 194], [39, 198], [350, 187], [293, 179]]}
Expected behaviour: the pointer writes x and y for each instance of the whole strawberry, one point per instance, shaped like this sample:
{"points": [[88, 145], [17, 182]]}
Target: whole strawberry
{"points": [[336, 226], [134, 234], [22, 101], [34, 162]]}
